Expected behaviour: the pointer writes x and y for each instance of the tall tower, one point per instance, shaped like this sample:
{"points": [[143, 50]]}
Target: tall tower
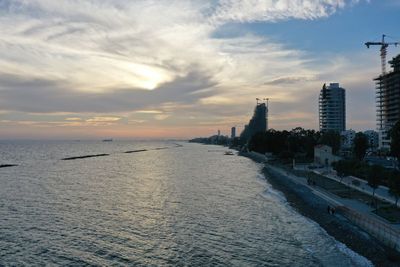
{"points": [[258, 123], [233, 132], [388, 102], [332, 108], [266, 114]]}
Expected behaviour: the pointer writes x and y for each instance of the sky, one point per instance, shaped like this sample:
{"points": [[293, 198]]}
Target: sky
{"points": [[143, 69]]}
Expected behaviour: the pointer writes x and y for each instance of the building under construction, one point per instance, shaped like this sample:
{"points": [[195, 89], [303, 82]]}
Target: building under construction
{"points": [[258, 123], [388, 102]]}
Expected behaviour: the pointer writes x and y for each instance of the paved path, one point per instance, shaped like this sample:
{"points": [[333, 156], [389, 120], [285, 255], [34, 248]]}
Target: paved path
{"points": [[382, 192], [335, 200], [356, 211], [303, 181]]}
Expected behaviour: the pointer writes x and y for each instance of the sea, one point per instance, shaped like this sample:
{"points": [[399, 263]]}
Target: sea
{"points": [[167, 204]]}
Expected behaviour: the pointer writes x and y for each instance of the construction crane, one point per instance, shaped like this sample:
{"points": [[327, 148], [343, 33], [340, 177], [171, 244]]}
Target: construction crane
{"points": [[384, 45], [267, 99], [264, 99]]}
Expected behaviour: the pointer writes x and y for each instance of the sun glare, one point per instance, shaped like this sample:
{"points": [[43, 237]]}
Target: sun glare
{"points": [[147, 77]]}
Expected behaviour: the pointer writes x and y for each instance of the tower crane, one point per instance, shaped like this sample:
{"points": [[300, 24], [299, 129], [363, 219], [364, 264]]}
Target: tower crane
{"points": [[264, 99], [384, 45], [267, 99]]}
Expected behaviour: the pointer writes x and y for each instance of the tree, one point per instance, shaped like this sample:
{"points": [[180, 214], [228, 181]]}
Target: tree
{"points": [[395, 141], [310, 142], [236, 142], [373, 177], [394, 185], [332, 139], [360, 145], [286, 155], [270, 141], [257, 143], [297, 142], [301, 141], [343, 168]]}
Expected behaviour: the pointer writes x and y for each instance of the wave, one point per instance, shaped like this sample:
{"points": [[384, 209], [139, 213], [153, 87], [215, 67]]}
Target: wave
{"points": [[356, 258]]}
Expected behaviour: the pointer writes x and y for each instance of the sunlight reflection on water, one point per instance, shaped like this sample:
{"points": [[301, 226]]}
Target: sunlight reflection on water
{"points": [[177, 206]]}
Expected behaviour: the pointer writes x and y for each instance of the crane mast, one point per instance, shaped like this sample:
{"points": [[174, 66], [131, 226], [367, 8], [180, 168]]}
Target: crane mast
{"points": [[384, 45], [381, 90]]}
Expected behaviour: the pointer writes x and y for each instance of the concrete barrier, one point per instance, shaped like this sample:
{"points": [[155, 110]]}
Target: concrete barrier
{"points": [[382, 231]]}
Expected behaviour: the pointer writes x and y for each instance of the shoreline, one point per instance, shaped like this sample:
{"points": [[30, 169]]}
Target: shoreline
{"points": [[340, 228]]}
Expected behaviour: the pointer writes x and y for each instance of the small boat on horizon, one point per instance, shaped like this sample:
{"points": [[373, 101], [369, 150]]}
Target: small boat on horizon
{"points": [[107, 140]]}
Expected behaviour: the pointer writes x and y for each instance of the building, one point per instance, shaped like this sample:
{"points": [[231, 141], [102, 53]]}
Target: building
{"points": [[323, 155], [386, 162], [373, 139], [258, 123], [347, 139], [332, 108], [233, 132], [388, 102]]}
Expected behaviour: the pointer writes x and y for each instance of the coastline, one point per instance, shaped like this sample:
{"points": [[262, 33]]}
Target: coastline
{"points": [[315, 208]]}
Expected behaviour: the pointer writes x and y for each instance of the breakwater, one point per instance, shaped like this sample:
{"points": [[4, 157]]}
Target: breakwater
{"points": [[135, 151], [86, 157], [8, 165]]}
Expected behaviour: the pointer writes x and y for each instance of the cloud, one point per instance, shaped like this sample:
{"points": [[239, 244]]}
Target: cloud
{"points": [[162, 117], [156, 60], [289, 80], [148, 112], [269, 10], [99, 46], [43, 96], [136, 121], [103, 119]]}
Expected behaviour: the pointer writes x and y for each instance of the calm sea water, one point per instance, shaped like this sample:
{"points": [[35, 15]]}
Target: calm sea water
{"points": [[180, 206]]}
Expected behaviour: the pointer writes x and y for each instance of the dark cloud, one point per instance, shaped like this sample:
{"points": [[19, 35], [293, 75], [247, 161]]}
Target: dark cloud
{"points": [[45, 96]]}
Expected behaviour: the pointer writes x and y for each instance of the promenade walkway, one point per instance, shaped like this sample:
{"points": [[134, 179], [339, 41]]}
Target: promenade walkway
{"points": [[332, 198], [382, 192], [358, 212]]}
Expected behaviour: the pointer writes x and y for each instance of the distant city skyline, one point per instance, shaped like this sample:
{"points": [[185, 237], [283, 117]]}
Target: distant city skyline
{"points": [[176, 69]]}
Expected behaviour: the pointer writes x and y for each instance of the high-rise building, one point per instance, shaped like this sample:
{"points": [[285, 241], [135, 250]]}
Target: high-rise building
{"points": [[388, 102], [347, 139], [332, 108], [233, 132], [373, 139], [258, 123]]}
